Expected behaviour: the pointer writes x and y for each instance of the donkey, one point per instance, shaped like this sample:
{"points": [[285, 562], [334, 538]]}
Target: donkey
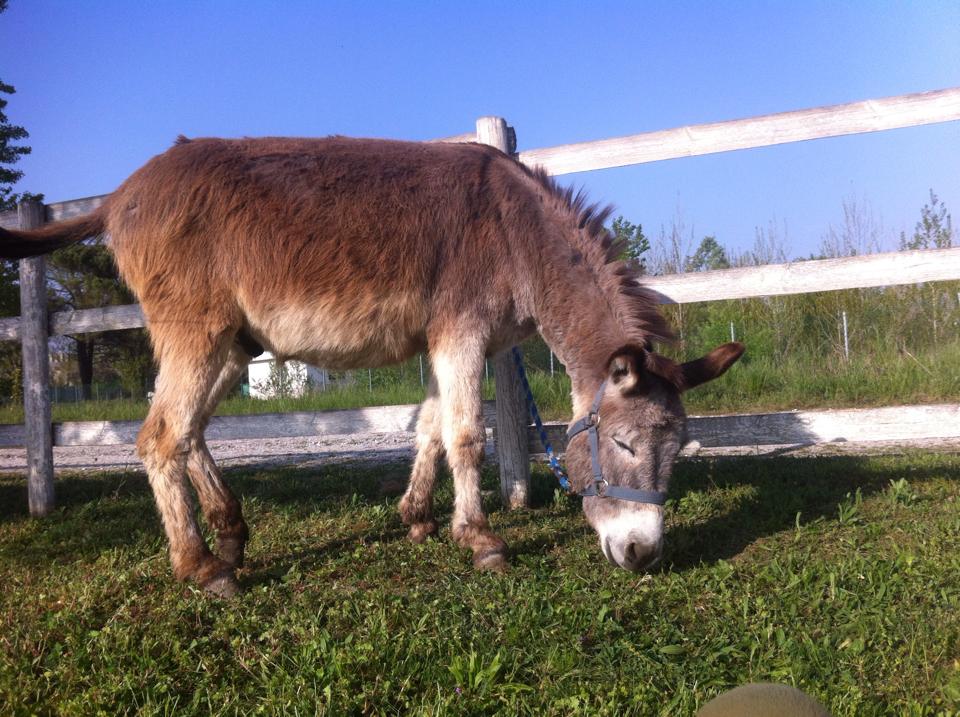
{"points": [[349, 253]]}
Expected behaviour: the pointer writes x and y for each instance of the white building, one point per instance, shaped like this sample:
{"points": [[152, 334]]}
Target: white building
{"points": [[293, 378]]}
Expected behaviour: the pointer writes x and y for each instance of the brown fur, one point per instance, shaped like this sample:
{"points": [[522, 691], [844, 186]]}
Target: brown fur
{"points": [[352, 253]]}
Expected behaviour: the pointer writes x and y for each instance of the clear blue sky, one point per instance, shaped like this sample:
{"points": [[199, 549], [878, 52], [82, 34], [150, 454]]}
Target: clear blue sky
{"points": [[102, 86]]}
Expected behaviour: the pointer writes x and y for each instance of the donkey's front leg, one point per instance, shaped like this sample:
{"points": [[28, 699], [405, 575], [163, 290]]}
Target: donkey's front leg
{"points": [[458, 366]]}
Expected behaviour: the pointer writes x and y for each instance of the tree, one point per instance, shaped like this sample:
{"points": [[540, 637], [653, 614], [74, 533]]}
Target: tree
{"points": [[9, 351], [10, 154], [769, 246], [708, 256], [860, 233], [287, 379], [669, 252], [634, 241], [10, 151], [934, 230], [84, 276]]}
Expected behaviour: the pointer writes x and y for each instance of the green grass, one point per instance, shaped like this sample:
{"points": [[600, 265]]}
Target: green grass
{"points": [[838, 575], [754, 384], [802, 382]]}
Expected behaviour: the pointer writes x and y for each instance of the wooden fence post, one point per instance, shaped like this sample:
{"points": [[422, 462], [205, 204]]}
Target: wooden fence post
{"points": [[512, 452], [34, 332]]}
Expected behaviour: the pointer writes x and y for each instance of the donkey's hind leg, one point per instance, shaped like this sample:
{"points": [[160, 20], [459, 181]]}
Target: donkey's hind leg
{"points": [[458, 364], [189, 367], [416, 507], [219, 505]]}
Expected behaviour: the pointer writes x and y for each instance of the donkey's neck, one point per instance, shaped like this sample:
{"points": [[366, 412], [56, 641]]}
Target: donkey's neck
{"points": [[576, 318], [584, 302]]}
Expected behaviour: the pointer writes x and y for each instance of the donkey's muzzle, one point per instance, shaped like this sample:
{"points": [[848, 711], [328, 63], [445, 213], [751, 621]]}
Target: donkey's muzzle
{"points": [[634, 556], [633, 540]]}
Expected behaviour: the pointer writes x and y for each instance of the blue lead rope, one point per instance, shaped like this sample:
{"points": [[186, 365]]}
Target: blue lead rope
{"points": [[532, 407]]}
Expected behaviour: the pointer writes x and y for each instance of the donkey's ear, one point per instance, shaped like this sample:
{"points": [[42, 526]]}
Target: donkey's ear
{"points": [[623, 368], [712, 365]]}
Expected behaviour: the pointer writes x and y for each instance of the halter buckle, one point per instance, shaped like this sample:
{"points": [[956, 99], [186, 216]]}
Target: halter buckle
{"points": [[600, 486]]}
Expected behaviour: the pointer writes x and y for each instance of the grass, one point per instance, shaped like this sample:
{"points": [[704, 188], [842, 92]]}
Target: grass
{"points": [[838, 575], [828, 382], [754, 384]]}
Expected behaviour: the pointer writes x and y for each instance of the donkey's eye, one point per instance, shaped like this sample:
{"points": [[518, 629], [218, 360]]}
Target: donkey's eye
{"points": [[624, 446]]}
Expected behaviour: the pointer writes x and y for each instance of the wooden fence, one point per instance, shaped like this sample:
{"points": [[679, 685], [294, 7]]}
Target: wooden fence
{"points": [[34, 327]]}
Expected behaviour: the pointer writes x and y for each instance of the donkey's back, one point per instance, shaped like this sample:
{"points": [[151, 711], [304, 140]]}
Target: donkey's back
{"points": [[338, 251]]}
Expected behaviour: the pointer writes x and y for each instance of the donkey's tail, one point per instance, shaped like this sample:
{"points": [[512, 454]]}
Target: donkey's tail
{"points": [[16, 244]]}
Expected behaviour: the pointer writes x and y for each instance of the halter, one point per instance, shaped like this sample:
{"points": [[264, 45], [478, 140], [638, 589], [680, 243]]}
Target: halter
{"points": [[599, 487]]}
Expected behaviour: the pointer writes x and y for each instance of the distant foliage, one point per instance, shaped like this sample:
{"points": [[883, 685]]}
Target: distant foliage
{"points": [[10, 152], [672, 247], [708, 256], [934, 230], [860, 232], [904, 320], [285, 380], [635, 242], [84, 276], [770, 246]]}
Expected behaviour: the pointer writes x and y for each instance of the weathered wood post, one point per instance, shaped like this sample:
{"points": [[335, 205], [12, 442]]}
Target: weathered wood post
{"points": [[34, 332], [512, 451]]}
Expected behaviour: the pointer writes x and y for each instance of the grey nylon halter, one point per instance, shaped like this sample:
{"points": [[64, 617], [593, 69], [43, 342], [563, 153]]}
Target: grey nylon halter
{"points": [[599, 486]]}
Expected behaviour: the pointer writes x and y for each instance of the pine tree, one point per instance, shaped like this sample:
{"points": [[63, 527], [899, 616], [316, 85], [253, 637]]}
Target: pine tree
{"points": [[10, 151], [709, 255], [634, 241]]}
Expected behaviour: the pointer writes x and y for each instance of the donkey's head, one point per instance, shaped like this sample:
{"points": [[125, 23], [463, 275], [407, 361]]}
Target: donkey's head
{"points": [[640, 427]]}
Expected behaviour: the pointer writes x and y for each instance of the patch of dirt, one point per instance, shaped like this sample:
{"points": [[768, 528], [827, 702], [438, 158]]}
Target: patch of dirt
{"points": [[384, 448]]}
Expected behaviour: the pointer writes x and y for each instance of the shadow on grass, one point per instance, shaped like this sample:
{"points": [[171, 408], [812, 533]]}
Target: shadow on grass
{"points": [[779, 489], [280, 486], [72, 491], [99, 512], [273, 568]]}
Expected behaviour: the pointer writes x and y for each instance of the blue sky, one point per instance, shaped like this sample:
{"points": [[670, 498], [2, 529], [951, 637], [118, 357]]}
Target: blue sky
{"points": [[102, 86]]}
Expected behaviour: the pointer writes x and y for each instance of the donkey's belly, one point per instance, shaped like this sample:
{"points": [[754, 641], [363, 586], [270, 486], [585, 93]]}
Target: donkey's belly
{"points": [[339, 336]]}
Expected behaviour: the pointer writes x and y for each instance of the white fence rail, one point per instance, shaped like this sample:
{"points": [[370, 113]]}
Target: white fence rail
{"points": [[911, 110]]}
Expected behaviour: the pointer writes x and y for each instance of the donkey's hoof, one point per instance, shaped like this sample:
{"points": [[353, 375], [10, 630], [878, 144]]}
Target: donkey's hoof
{"points": [[419, 532], [224, 585], [494, 561], [231, 551]]}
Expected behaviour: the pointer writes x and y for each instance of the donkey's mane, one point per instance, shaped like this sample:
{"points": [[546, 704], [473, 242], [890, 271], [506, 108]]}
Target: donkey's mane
{"points": [[635, 306]]}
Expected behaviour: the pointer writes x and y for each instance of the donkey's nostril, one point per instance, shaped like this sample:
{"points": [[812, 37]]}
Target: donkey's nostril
{"points": [[640, 556]]}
